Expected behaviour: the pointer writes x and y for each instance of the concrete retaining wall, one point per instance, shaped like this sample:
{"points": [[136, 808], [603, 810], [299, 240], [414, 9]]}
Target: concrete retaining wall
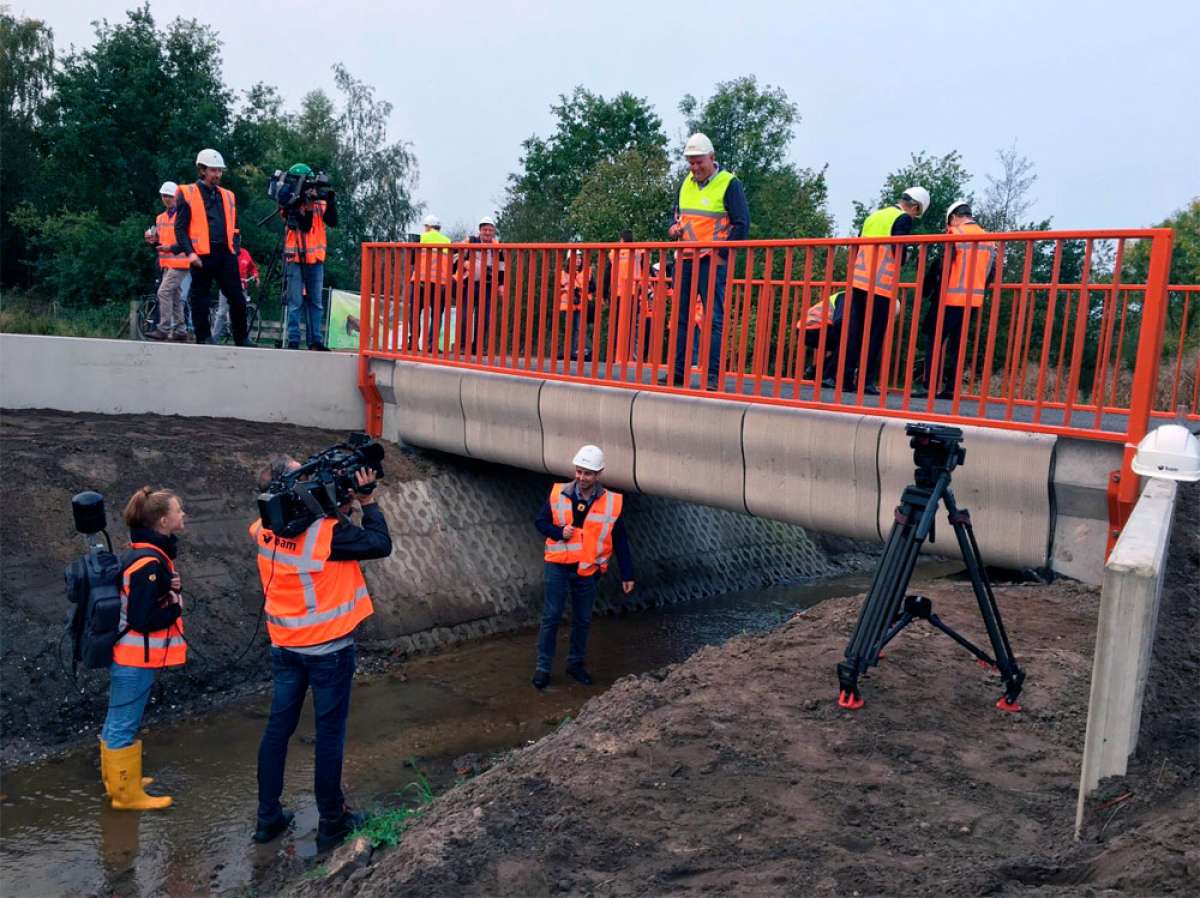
{"points": [[1129, 601], [313, 389]]}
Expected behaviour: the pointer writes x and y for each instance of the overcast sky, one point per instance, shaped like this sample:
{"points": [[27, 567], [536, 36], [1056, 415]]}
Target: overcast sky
{"points": [[1101, 96]]}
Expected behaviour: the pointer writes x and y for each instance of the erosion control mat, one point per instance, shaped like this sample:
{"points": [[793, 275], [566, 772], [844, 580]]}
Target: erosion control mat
{"points": [[735, 773]]}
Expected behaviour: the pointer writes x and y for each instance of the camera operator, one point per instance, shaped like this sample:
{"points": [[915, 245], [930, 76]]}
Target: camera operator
{"points": [[204, 227], [315, 597], [307, 216]]}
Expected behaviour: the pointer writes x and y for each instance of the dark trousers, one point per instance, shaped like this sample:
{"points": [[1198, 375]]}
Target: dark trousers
{"points": [[476, 328], [952, 325], [563, 582], [854, 339], [426, 306], [683, 313], [812, 340], [220, 265], [330, 677]]}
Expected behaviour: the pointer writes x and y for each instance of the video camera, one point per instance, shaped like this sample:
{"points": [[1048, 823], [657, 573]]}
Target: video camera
{"points": [[300, 187], [936, 448], [319, 486]]}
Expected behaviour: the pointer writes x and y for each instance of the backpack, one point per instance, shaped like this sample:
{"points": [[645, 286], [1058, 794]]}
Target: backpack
{"points": [[94, 589]]}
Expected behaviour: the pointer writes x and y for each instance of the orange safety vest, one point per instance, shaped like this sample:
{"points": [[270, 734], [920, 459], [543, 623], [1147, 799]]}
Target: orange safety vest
{"points": [[970, 268], [622, 262], [162, 648], [567, 287], [817, 317], [432, 266], [591, 545], [309, 599], [164, 225], [198, 226], [314, 240], [883, 260]]}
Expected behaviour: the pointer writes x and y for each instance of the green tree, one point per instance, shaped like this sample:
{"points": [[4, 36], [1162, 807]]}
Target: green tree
{"points": [[26, 77], [630, 191], [591, 131], [943, 176]]}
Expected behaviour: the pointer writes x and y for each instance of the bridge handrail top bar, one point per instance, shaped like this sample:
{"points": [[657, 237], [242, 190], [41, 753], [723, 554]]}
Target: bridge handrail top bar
{"points": [[1008, 236]]}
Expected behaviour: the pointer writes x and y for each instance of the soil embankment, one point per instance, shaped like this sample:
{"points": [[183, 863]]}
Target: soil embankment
{"points": [[467, 561], [735, 773]]}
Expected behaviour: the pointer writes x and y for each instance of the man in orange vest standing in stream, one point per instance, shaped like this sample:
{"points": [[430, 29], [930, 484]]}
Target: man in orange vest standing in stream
{"points": [[583, 528], [315, 597], [205, 221]]}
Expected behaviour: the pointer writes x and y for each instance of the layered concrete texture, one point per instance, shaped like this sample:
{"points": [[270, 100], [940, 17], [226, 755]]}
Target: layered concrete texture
{"points": [[428, 407], [502, 420], [1082, 470], [1129, 601], [313, 389], [573, 415]]}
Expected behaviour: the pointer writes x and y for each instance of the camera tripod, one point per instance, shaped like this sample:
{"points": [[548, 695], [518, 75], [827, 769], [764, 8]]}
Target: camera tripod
{"points": [[888, 608]]}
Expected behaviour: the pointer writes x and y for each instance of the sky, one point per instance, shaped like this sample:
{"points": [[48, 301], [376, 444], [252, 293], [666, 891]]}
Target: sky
{"points": [[1101, 96]]}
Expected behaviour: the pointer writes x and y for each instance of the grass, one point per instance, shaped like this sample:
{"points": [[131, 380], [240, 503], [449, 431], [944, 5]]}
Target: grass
{"points": [[30, 313], [385, 826]]}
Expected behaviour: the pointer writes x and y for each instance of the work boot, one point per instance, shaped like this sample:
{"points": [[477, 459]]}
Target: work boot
{"points": [[331, 833], [578, 673], [157, 334], [267, 832], [146, 780], [919, 392], [319, 347], [295, 345], [123, 778], [945, 394], [870, 390], [541, 679]]}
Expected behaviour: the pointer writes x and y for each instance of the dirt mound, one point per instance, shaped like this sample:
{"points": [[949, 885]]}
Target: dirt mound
{"points": [[735, 773]]}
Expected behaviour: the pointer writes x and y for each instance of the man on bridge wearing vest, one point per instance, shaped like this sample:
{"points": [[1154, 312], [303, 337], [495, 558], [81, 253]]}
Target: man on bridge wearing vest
{"points": [[304, 259], [315, 597], [712, 206], [877, 273], [583, 528], [205, 221]]}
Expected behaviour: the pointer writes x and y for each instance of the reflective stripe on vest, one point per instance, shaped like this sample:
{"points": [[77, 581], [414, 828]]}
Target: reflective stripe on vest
{"points": [[164, 226], [314, 240], [309, 599], [198, 226], [572, 291], [161, 648], [433, 266], [817, 317], [969, 271], [702, 214], [880, 259], [591, 545]]}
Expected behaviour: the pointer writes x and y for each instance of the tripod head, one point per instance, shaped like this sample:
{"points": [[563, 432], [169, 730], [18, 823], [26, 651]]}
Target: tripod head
{"points": [[937, 450]]}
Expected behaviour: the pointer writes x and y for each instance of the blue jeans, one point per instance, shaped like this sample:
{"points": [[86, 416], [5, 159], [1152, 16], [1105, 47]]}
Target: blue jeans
{"points": [[683, 314], [563, 580], [129, 690], [305, 299], [330, 677]]}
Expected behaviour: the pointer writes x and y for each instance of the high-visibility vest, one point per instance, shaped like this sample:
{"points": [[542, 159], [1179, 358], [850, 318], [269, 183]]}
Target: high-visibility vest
{"points": [[817, 317], [878, 259], [314, 240], [164, 226], [702, 214], [627, 266], [433, 266], [198, 226], [590, 546], [969, 271], [573, 291], [162, 648], [309, 599]]}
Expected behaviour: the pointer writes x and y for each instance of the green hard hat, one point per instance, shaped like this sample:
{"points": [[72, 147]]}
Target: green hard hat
{"points": [[299, 169]]}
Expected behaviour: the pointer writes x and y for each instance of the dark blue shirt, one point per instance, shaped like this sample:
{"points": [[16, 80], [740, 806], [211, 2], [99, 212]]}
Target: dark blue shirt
{"points": [[547, 528], [353, 543]]}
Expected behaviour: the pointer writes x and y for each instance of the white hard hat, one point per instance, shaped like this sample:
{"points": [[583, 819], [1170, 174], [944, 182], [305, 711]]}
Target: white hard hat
{"points": [[169, 188], [431, 221], [488, 220], [698, 145], [920, 196], [1171, 452], [957, 204], [590, 458], [210, 159]]}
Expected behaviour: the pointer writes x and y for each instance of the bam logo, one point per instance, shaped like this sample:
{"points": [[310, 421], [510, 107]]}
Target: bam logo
{"points": [[267, 537]]}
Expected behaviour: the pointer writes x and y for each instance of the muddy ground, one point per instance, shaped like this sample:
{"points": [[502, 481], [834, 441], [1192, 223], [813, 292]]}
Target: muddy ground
{"points": [[735, 773], [212, 464]]}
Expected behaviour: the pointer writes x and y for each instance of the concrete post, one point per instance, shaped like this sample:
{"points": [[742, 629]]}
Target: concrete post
{"points": [[1129, 600]]}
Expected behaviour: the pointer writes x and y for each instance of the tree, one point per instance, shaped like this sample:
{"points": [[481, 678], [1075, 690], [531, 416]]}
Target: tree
{"points": [[630, 191], [1006, 200], [752, 129], [26, 77], [591, 131], [944, 177]]}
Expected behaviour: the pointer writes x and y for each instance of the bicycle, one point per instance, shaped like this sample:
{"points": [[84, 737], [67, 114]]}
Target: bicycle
{"points": [[147, 318]]}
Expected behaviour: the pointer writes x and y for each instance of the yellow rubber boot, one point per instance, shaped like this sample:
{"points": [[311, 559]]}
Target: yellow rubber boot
{"points": [[123, 776], [146, 780]]}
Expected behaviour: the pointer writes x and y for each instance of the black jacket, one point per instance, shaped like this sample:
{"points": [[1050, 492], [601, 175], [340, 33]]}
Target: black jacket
{"points": [[149, 607], [353, 543]]}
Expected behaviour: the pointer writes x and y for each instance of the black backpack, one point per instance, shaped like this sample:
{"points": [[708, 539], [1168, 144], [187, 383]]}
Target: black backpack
{"points": [[94, 589]]}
